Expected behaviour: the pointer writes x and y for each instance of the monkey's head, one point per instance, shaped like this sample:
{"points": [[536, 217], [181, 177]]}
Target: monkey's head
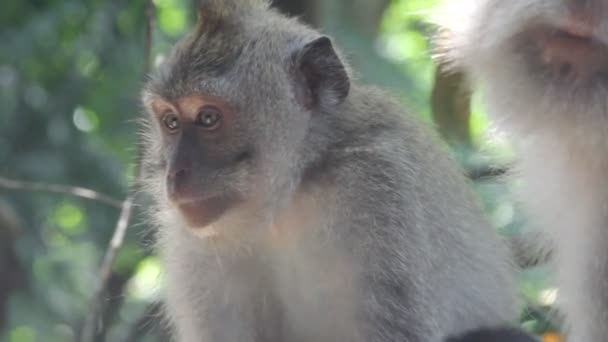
{"points": [[541, 63], [236, 114]]}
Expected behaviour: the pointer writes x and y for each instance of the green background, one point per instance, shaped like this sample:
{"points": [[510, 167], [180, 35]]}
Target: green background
{"points": [[70, 75]]}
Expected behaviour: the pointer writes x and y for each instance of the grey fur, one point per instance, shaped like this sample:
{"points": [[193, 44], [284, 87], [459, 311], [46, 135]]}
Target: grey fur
{"points": [[380, 237], [560, 129]]}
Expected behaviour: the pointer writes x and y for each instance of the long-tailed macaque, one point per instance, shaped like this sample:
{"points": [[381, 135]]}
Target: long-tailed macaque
{"points": [[295, 204], [542, 66]]}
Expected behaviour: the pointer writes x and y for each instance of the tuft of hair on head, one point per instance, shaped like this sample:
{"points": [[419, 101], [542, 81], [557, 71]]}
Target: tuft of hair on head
{"points": [[211, 13], [211, 47]]}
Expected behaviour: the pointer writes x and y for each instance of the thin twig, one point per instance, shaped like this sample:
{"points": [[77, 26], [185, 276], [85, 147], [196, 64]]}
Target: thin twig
{"points": [[91, 323], [85, 193]]}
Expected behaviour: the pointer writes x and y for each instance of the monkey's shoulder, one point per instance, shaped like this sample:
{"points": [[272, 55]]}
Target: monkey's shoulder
{"points": [[377, 130]]}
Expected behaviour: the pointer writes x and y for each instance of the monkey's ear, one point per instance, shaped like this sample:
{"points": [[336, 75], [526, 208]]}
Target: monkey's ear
{"points": [[321, 78]]}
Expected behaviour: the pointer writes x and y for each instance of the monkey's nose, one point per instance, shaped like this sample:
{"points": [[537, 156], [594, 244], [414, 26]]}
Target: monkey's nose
{"points": [[177, 184], [571, 49]]}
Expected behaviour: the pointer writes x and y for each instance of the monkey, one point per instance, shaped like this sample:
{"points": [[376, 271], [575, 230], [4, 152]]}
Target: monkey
{"points": [[541, 66], [295, 204]]}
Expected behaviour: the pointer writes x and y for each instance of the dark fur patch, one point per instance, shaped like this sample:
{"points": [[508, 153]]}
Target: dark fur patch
{"points": [[494, 335]]}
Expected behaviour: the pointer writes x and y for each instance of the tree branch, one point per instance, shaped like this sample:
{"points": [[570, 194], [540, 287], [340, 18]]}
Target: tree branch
{"points": [[13, 184], [451, 106], [92, 323]]}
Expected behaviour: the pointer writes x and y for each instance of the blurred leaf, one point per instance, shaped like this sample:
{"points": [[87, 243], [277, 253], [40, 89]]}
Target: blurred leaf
{"points": [[128, 256], [478, 123], [22, 334], [85, 119], [70, 218], [172, 20], [142, 284]]}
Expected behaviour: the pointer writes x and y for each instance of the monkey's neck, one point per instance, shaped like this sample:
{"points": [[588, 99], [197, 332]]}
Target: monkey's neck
{"points": [[565, 185], [565, 189]]}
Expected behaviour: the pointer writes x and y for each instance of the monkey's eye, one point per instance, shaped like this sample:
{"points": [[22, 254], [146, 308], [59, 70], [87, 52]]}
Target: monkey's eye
{"points": [[171, 121], [209, 118]]}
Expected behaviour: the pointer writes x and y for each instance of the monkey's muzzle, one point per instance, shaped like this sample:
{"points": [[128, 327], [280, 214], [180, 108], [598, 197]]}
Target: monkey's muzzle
{"points": [[572, 50], [201, 213]]}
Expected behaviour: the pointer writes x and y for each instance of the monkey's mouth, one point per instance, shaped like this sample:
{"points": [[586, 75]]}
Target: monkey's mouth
{"points": [[200, 213], [571, 53]]}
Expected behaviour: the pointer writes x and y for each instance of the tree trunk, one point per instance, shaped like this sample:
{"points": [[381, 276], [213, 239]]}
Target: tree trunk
{"points": [[451, 105]]}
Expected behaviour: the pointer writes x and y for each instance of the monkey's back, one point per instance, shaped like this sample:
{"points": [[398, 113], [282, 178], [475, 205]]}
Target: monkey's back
{"points": [[409, 196]]}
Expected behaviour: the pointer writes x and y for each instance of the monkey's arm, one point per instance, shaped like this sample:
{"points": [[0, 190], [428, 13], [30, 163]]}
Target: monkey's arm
{"points": [[394, 305], [394, 296]]}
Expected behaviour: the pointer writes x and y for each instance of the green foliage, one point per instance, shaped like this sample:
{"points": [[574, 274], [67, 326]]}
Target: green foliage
{"points": [[404, 41], [22, 334], [70, 74]]}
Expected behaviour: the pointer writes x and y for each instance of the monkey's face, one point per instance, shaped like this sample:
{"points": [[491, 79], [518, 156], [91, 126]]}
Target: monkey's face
{"points": [[220, 156], [201, 162], [545, 54], [227, 144]]}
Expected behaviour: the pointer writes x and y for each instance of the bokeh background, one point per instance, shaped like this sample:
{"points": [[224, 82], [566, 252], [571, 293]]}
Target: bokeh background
{"points": [[70, 74]]}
